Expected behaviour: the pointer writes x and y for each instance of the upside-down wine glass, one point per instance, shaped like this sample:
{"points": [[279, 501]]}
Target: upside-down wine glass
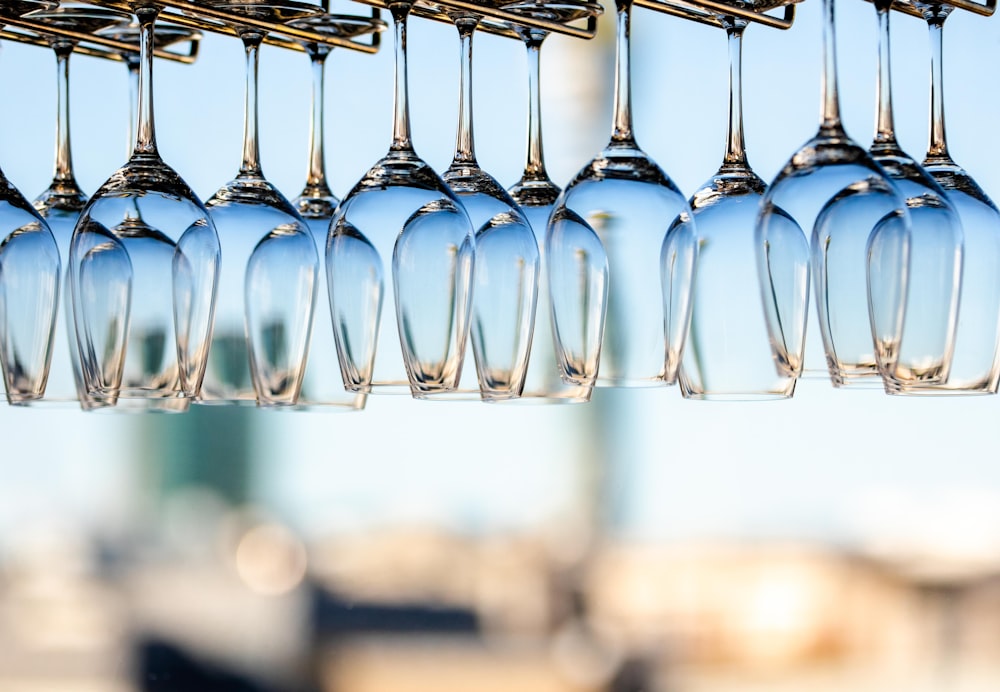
{"points": [[727, 353], [505, 284], [536, 194], [832, 193], [930, 314], [61, 203], [165, 35], [400, 218], [975, 366], [624, 202], [144, 263], [322, 386], [29, 279], [270, 266]]}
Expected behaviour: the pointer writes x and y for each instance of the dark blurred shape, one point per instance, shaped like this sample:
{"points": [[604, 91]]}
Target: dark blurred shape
{"points": [[634, 675], [335, 617], [164, 667]]}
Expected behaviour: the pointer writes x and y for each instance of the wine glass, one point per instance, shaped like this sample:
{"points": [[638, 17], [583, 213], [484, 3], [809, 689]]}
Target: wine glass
{"points": [[624, 198], [29, 279], [270, 266], [727, 353], [164, 35], [61, 203], [143, 269], [507, 257], [322, 386], [832, 192], [401, 212], [974, 363], [536, 194], [924, 353]]}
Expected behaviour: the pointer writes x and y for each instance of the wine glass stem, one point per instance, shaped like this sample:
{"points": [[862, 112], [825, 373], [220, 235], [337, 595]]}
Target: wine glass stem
{"points": [[830, 99], [64, 156], [937, 151], [622, 132], [401, 140], [145, 133], [885, 124], [317, 165], [534, 168], [736, 155], [133, 94], [251, 150], [465, 148]]}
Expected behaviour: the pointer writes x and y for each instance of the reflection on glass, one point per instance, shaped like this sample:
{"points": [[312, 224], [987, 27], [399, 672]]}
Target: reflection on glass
{"points": [[727, 355], [60, 205], [835, 194], [629, 202], [506, 278], [270, 266], [974, 362], [536, 194], [322, 385], [143, 270], [934, 258], [401, 220]]}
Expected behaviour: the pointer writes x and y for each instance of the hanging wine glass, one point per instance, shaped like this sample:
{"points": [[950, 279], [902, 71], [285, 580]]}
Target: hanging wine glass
{"points": [[974, 363], [400, 212], [536, 194], [165, 36], [322, 386], [727, 353], [143, 269], [506, 277], [29, 279], [629, 202], [832, 192], [270, 267], [61, 203], [924, 352]]}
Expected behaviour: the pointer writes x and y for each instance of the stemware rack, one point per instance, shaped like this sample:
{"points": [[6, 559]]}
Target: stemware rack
{"points": [[362, 33], [214, 18]]}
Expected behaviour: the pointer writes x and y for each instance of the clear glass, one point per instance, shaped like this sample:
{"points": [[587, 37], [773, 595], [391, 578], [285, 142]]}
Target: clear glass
{"points": [[934, 259], [322, 386], [165, 35], [975, 368], [143, 271], [629, 202], [401, 211], [29, 282], [579, 275], [536, 194], [728, 354], [61, 203], [270, 265], [29, 296], [830, 193], [505, 283]]}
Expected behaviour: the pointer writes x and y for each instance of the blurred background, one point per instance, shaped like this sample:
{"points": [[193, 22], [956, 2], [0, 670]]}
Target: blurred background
{"points": [[642, 543]]}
